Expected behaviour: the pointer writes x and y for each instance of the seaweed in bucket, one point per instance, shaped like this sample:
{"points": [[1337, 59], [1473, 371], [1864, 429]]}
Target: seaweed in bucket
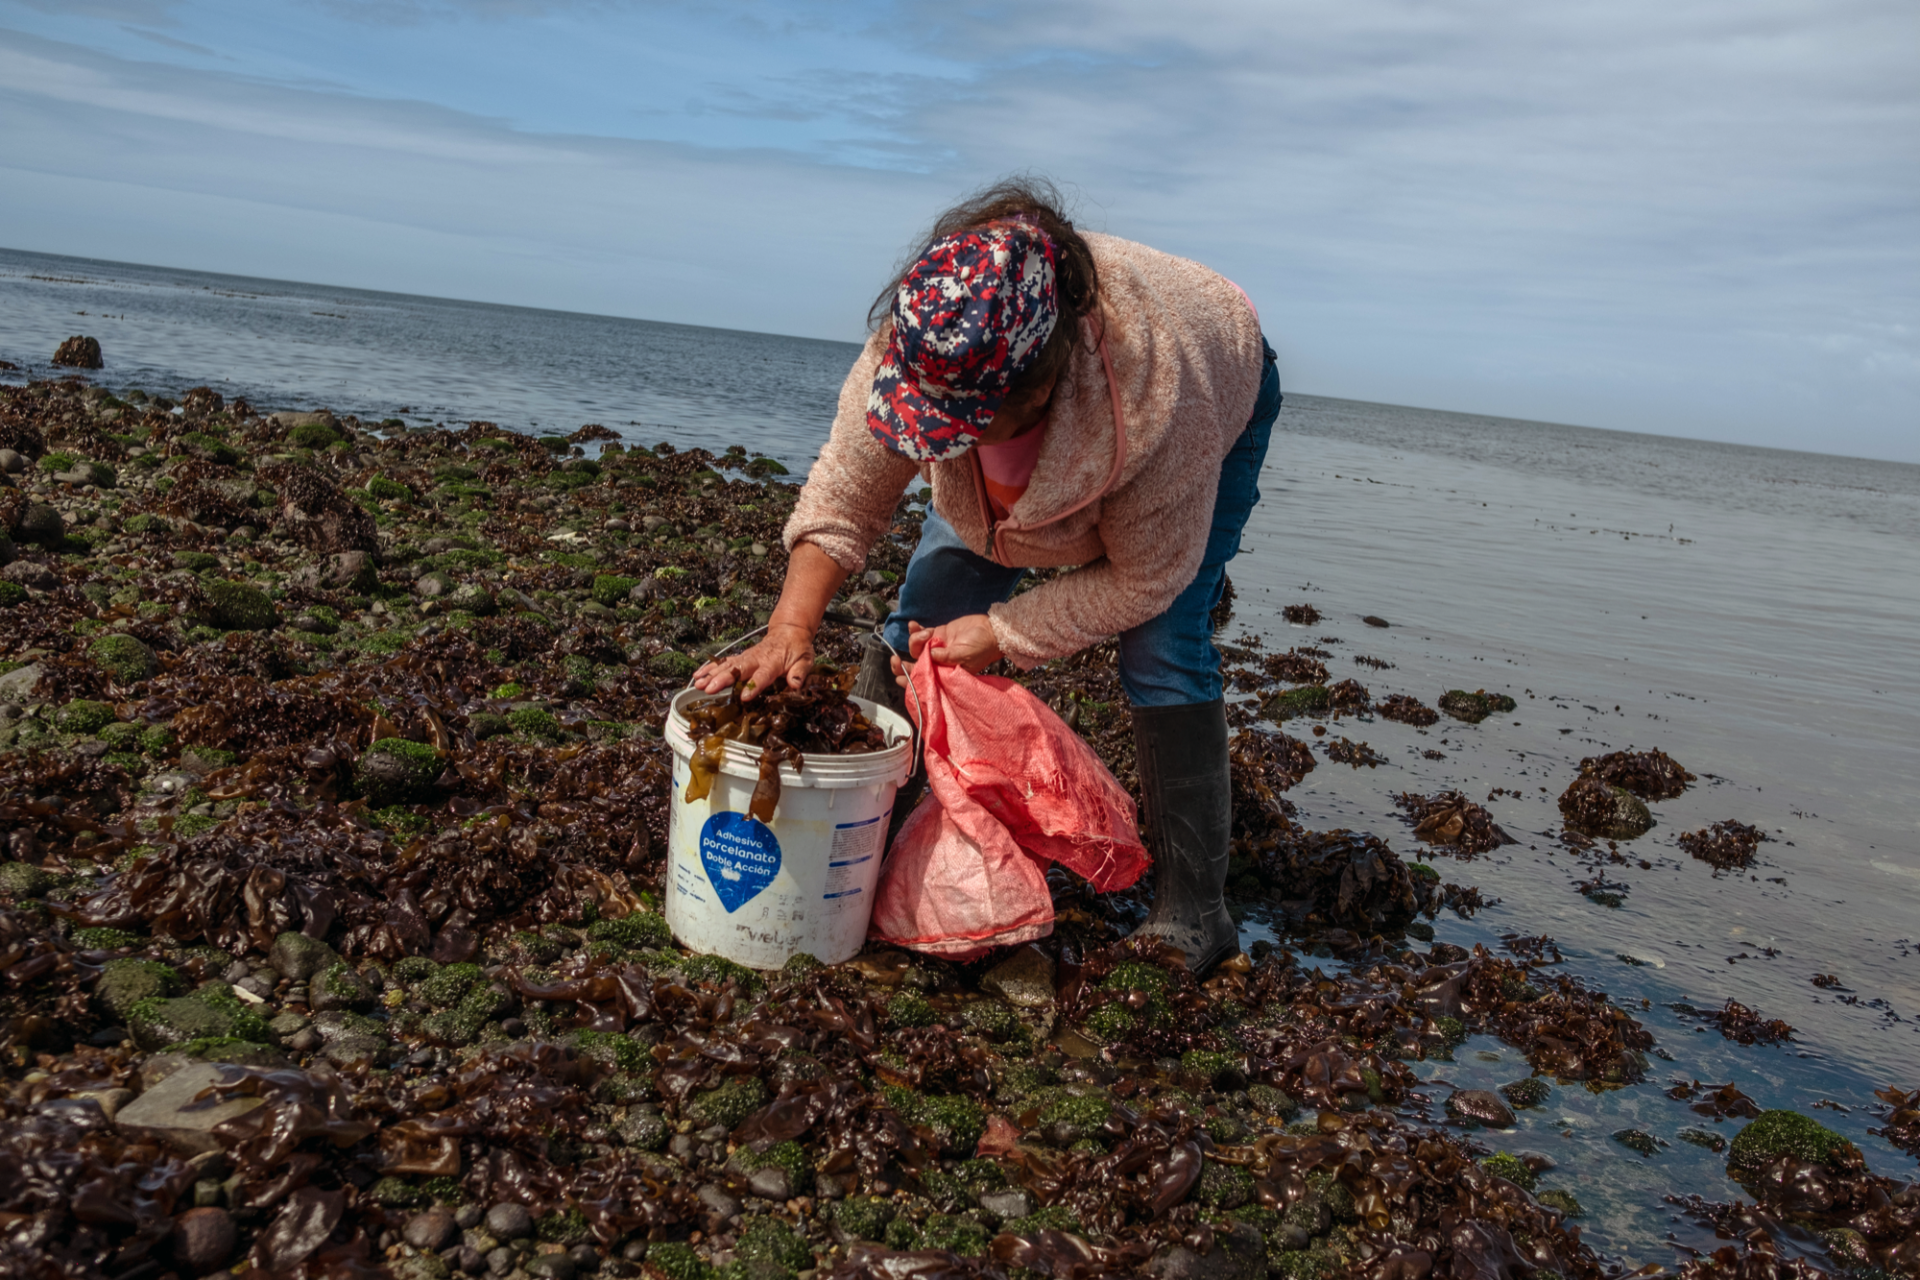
{"points": [[818, 718]]}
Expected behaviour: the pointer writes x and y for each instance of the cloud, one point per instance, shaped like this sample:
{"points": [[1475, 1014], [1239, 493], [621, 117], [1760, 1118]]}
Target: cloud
{"points": [[1699, 218]]}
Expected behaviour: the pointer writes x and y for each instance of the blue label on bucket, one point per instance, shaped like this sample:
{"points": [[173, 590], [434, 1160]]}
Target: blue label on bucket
{"points": [[741, 857]]}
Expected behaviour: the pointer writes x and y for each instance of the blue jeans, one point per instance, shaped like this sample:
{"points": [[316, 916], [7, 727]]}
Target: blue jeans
{"points": [[1167, 661]]}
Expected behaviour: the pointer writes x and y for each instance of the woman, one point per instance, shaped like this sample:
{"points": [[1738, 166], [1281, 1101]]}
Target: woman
{"points": [[1073, 400]]}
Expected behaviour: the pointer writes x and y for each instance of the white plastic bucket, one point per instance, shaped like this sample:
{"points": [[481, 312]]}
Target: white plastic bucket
{"points": [[760, 893]]}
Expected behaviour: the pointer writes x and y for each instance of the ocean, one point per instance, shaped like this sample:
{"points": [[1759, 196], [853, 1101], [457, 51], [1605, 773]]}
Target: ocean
{"points": [[1752, 612]]}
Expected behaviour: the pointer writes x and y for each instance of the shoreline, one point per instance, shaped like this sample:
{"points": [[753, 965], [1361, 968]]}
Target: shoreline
{"points": [[375, 584]]}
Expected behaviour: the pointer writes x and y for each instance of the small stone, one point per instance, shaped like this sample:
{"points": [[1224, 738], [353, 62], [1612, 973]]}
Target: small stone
{"points": [[550, 1266], [468, 1216], [433, 1229], [1003, 1206], [12, 462], [297, 957], [509, 1221], [1373, 621], [1024, 979], [718, 1202], [1482, 1106], [771, 1183], [203, 1239]]}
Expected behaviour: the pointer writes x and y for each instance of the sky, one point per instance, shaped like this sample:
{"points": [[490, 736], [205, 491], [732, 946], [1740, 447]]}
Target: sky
{"points": [[1688, 217]]}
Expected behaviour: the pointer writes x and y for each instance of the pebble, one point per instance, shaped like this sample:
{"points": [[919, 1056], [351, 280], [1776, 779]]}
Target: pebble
{"points": [[430, 1230], [722, 1205], [509, 1221], [468, 1216], [203, 1239], [771, 1183]]}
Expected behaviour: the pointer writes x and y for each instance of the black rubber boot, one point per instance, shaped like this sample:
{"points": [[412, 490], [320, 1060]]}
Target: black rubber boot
{"points": [[876, 683], [1183, 776]]}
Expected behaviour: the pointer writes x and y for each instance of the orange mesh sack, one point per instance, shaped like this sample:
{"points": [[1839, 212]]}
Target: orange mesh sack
{"points": [[1010, 788]]}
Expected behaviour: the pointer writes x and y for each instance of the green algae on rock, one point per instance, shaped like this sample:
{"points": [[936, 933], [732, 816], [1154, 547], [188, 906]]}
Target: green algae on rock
{"points": [[1777, 1135]]}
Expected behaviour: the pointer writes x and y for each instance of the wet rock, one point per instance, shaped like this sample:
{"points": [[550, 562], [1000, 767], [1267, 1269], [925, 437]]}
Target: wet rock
{"points": [[237, 606], [168, 1110], [433, 1230], [1605, 812], [17, 685], [1638, 1141], [24, 880], [551, 1266], [123, 657], [1239, 1253], [12, 462], [204, 1239], [718, 1202], [339, 987], [1374, 621], [1474, 707], [1006, 1205], [343, 571], [1788, 1135], [473, 598], [125, 983], [394, 771], [1530, 1092], [158, 1024], [771, 1183], [1024, 979], [1482, 1106], [297, 957], [79, 352], [433, 585], [508, 1221], [42, 524], [643, 1130]]}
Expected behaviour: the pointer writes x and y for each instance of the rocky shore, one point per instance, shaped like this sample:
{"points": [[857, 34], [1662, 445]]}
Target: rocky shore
{"points": [[334, 801]]}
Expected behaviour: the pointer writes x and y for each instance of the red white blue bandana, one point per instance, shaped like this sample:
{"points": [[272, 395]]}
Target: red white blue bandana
{"points": [[969, 318]]}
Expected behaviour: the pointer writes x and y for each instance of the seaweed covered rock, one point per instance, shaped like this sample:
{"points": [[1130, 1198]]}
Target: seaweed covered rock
{"points": [[1476, 706], [1725, 846], [396, 771], [1453, 820], [316, 513], [1593, 808], [1776, 1136], [1650, 775], [79, 352], [239, 606], [123, 657]]}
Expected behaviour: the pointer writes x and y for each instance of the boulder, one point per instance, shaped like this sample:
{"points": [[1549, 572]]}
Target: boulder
{"points": [[169, 1111], [238, 606], [79, 352], [30, 574], [17, 685], [343, 571], [40, 523]]}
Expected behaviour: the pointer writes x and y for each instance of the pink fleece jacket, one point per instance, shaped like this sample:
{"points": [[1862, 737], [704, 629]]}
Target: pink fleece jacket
{"points": [[1186, 353]]}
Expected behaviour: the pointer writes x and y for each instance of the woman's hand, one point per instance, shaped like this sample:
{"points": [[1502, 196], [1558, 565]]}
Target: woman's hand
{"points": [[785, 651], [965, 642]]}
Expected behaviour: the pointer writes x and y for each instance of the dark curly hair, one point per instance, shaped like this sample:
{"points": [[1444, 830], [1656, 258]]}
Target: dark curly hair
{"points": [[1078, 280]]}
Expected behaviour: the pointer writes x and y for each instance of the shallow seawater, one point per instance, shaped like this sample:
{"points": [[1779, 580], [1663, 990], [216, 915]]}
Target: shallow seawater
{"points": [[1751, 612], [1663, 595]]}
